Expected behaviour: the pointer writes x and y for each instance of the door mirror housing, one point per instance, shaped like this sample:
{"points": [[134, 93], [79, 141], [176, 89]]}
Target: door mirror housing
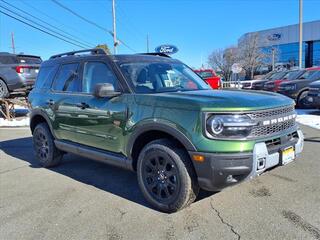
{"points": [[102, 90]]}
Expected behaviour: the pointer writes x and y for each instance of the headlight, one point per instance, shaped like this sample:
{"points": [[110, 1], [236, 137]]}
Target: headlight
{"points": [[288, 87], [228, 126]]}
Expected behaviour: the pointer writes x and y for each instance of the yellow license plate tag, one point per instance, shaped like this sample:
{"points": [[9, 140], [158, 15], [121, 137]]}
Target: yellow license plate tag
{"points": [[287, 155]]}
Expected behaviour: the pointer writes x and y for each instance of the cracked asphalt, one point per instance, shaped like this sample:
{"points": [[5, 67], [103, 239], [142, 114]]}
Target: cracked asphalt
{"points": [[82, 199]]}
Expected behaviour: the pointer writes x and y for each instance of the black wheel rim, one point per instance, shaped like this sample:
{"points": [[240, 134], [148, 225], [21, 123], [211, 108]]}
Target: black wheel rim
{"points": [[160, 177], [41, 146], [1, 89]]}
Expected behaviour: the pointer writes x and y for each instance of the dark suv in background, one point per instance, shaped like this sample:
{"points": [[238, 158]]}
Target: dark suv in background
{"points": [[17, 73], [314, 94], [298, 89], [290, 75]]}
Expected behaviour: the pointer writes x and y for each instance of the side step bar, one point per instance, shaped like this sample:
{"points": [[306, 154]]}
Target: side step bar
{"points": [[114, 159]]}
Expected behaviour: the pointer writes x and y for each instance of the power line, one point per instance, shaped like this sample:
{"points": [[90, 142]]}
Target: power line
{"points": [[57, 21], [41, 30], [38, 24], [91, 22], [83, 18]]}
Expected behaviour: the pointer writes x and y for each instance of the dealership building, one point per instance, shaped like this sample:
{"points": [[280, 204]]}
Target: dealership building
{"points": [[285, 40]]}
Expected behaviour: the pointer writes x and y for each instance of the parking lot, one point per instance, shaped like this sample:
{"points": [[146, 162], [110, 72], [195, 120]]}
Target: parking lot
{"points": [[82, 199]]}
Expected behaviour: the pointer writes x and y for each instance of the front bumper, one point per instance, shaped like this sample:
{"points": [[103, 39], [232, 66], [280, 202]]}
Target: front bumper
{"points": [[218, 170]]}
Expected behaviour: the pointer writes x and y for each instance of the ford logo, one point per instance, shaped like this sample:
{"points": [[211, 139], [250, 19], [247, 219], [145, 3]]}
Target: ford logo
{"points": [[166, 49], [274, 37]]}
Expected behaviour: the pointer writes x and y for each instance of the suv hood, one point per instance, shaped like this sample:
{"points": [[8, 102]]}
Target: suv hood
{"points": [[216, 100]]}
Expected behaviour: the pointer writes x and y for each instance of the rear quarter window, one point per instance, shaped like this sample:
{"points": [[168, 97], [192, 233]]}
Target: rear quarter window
{"points": [[8, 60], [45, 76]]}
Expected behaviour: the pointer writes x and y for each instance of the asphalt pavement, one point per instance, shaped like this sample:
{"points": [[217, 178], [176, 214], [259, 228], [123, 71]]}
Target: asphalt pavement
{"points": [[82, 199]]}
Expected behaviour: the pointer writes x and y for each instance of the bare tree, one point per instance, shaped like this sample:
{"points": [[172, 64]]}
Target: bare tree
{"points": [[222, 60], [251, 56]]}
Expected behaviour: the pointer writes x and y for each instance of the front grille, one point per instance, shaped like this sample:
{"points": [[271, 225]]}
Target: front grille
{"points": [[262, 130], [271, 113]]}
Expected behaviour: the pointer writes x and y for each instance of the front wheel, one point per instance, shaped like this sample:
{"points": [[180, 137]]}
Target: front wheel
{"points": [[166, 176], [301, 101]]}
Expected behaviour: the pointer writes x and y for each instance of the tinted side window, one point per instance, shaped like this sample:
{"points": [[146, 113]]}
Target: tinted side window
{"points": [[45, 76], [97, 72], [67, 79]]}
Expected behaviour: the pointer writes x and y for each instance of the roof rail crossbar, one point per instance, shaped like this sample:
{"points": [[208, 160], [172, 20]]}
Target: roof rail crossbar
{"points": [[93, 51], [155, 54]]}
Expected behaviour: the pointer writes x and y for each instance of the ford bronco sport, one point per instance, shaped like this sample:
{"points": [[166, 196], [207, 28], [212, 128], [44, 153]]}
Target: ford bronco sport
{"points": [[152, 114]]}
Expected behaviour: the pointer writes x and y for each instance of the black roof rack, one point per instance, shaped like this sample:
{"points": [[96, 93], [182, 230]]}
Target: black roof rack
{"points": [[155, 54], [93, 51]]}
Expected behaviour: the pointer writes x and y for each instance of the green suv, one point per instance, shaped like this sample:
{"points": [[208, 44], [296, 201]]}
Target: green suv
{"points": [[152, 114]]}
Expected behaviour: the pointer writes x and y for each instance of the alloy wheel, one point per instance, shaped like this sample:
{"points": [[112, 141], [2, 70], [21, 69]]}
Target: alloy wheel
{"points": [[160, 177]]}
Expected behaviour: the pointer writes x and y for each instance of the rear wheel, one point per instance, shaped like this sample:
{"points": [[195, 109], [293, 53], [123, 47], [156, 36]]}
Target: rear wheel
{"points": [[166, 176], [44, 147], [4, 92]]}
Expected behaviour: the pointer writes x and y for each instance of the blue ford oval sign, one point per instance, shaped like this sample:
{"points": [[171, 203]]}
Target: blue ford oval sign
{"points": [[274, 37], [167, 49]]}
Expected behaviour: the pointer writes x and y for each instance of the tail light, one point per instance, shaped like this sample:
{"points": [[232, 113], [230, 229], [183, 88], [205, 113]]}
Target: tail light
{"points": [[23, 69]]}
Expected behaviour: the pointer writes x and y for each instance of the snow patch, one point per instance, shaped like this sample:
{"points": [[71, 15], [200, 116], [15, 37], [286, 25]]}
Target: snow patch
{"points": [[309, 117], [24, 122]]}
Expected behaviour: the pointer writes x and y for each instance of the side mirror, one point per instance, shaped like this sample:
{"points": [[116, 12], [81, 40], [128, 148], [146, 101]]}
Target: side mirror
{"points": [[102, 90]]}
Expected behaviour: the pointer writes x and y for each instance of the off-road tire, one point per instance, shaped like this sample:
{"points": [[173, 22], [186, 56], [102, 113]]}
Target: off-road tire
{"points": [[186, 188], [44, 148], [300, 98], [4, 91]]}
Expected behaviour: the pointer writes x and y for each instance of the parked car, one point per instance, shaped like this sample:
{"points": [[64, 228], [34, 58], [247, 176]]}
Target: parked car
{"points": [[176, 132], [17, 73], [273, 85], [259, 85], [247, 84], [314, 94], [210, 77], [298, 89]]}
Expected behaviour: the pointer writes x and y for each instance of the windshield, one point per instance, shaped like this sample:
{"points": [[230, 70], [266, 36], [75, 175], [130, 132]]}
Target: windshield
{"points": [[205, 74], [308, 74], [150, 77], [315, 76], [268, 75], [292, 75], [278, 75]]}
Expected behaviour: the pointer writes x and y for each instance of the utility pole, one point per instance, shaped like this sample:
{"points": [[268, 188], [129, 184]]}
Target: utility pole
{"points": [[273, 58], [300, 31], [12, 43], [148, 43], [115, 41]]}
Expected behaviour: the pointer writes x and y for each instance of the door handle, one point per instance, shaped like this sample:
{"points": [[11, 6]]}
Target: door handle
{"points": [[82, 105]]}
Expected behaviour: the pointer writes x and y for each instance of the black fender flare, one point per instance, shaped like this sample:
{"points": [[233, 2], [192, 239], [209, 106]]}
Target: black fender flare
{"points": [[39, 112], [164, 127]]}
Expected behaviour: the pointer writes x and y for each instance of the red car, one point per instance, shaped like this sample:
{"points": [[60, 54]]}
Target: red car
{"points": [[210, 77]]}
